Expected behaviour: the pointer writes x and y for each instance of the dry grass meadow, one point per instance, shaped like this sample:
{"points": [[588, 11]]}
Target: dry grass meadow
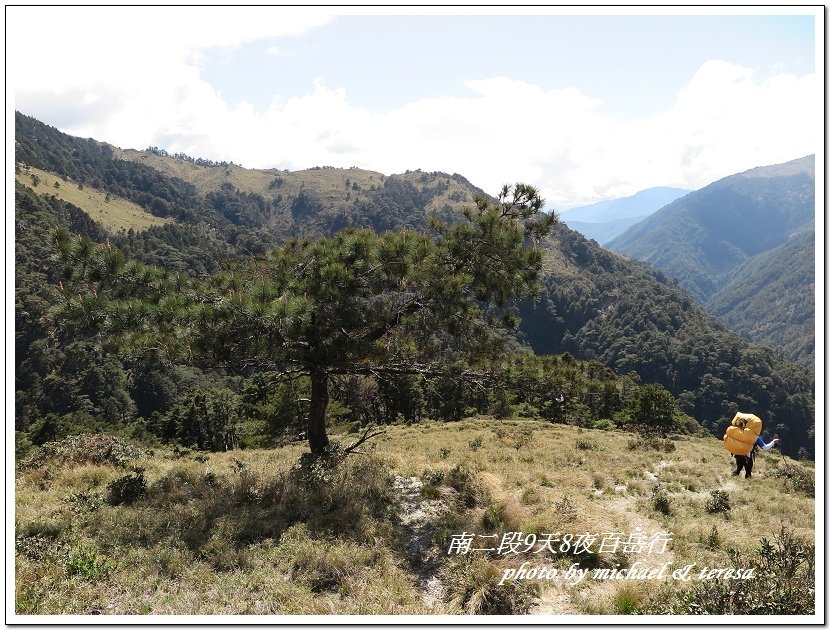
{"points": [[252, 532]]}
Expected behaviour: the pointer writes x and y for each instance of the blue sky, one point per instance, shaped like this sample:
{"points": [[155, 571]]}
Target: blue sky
{"points": [[635, 65], [586, 107]]}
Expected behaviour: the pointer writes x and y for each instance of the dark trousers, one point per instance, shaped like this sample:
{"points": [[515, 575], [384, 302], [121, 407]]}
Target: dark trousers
{"points": [[744, 462]]}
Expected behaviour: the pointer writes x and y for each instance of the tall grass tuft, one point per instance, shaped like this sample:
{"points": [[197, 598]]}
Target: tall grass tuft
{"points": [[470, 488], [473, 585]]}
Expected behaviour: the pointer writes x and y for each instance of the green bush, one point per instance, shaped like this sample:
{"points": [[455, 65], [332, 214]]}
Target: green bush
{"points": [[718, 502], [604, 425], [86, 501], [796, 479], [501, 406], [471, 491], [446, 526], [783, 583], [127, 489], [87, 563], [501, 517], [660, 501], [713, 539], [22, 446], [628, 601]]}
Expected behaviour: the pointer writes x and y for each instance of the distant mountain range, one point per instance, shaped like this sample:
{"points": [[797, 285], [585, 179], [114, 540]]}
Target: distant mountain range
{"points": [[604, 220], [744, 247]]}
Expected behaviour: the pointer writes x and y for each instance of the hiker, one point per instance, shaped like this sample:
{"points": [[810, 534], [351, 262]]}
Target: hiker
{"points": [[744, 462], [743, 438]]}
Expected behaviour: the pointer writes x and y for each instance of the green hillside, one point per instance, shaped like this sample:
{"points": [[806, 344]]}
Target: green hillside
{"points": [[114, 213], [605, 220], [333, 187], [166, 379], [700, 238], [703, 238], [770, 299], [594, 304]]}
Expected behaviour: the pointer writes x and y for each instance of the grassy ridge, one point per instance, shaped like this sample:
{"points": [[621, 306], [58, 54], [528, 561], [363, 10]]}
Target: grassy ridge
{"points": [[335, 187], [249, 532], [111, 211]]}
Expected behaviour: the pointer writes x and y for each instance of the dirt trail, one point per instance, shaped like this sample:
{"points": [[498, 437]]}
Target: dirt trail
{"points": [[417, 514], [559, 598]]}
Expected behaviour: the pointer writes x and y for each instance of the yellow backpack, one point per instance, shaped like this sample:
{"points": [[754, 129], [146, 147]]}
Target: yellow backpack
{"points": [[742, 435]]}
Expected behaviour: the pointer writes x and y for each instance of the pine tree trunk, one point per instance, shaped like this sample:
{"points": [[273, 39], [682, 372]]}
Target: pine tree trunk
{"points": [[318, 441]]}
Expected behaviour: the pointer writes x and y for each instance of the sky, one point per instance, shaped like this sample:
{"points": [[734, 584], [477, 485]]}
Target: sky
{"points": [[588, 106]]}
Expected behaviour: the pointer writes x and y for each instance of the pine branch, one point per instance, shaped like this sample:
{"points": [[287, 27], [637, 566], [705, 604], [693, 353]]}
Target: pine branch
{"points": [[367, 435]]}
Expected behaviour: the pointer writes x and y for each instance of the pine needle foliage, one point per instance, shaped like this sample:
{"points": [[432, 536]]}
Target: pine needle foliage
{"points": [[357, 302]]}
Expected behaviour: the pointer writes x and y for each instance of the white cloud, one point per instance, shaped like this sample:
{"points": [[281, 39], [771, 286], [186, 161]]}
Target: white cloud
{"points": [[144, 88], [139, 60]]}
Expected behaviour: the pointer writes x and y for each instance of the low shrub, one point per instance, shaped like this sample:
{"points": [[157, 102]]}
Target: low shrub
{"points": [[782, 583], [127, 489], [628, 600], [40, 548], [660, 501], [433, 477], [713, 539], [504, 516], [86, 501], [86, 562], [718, 502], [796, 479], [472, 584], [446, 526], [92, 448]]}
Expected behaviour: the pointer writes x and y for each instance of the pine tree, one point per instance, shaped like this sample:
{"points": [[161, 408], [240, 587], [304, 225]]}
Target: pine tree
{"points": [[354, 303]]}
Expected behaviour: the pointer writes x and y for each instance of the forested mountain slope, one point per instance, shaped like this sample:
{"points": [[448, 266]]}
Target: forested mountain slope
{"points": [[595, 304], [598, 304], [605, 220], [700, 238], [709, 238], [770, 299]]}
